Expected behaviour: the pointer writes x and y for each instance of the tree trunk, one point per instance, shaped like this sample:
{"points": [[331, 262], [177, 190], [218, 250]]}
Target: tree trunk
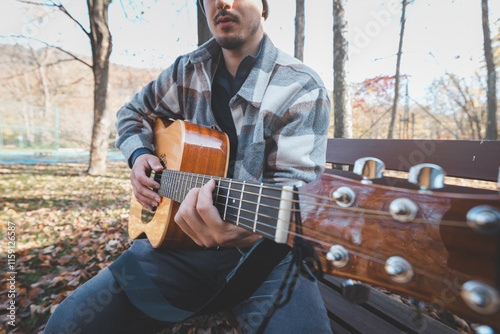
{"points": [[300, 20], [204, 33], [390, 134], [341, 98], [491, 122], [40, 64], [100, 40]]}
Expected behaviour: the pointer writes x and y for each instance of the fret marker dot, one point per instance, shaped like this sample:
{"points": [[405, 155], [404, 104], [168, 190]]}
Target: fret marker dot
{"points": [[234, 201]]}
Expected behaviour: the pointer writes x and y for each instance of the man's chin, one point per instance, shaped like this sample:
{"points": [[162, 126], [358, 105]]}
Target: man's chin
{"points": [[229, 43]]}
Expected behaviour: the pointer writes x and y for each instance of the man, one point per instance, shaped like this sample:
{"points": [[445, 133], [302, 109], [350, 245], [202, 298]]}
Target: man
{"points": [[276, 113]]}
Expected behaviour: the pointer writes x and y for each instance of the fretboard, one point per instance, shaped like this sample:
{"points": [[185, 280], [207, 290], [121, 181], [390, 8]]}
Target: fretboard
{"points": [[262, 208]]}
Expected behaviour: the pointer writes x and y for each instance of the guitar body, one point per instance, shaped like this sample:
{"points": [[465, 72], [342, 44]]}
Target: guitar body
{"points": [[184, 147]]}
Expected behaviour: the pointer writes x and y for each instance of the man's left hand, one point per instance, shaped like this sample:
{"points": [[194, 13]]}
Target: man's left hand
{"points": [[200, 220]]}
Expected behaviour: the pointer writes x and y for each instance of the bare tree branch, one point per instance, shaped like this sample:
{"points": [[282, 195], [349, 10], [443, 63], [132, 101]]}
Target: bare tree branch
{"points": [[33, 70], [58, 6], [50, 46]]}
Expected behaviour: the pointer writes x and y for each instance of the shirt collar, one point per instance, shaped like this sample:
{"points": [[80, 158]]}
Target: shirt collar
{"points": [[233, 84]]}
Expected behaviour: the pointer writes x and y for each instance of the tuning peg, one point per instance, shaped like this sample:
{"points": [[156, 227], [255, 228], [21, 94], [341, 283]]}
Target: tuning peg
{"points": [[403, 209], [369, 168], [484, 330], [480, 297], [338, 256], [484, 219], [355, 292], [399, 269], [344, 196], [427, 176]]}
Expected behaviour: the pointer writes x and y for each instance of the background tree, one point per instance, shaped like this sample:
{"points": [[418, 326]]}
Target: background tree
{"points": [[491, 124], [390, 133], [204, 33], [341, 99], [101, 47], [100, 41], [496, 45], [300, 19], [463, 101]]}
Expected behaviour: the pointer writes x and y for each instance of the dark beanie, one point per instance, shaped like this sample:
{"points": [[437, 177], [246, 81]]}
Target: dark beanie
{"points": [[265, 9]]}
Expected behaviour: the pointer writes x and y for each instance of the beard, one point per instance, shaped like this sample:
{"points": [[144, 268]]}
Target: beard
{"points": [[234, 40], [229, 42]]}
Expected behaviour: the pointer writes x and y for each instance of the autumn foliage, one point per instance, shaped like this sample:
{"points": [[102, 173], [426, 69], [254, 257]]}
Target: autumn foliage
{"points": [[69, 226]]}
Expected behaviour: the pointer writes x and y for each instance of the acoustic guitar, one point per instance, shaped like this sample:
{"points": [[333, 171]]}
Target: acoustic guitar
{"points": [[439, 247]]}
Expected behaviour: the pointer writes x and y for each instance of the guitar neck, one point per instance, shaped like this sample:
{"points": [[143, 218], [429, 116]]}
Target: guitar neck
{"points": [[264, 209]]}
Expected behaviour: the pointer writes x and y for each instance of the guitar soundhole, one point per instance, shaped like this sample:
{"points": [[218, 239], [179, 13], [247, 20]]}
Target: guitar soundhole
{"points": [[146, 215]]}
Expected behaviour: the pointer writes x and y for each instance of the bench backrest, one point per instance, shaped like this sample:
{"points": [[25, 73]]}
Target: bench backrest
{"points": [[459, 158]]}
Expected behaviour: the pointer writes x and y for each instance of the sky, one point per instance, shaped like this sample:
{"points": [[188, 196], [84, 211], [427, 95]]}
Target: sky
{"points": [[441, 35]]}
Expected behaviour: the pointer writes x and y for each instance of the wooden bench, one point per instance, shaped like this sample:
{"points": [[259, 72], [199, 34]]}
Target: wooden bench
{"points": [[477, 160]]}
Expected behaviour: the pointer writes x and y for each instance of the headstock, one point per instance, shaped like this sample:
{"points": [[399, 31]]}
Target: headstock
{"points": [[439, 247]]}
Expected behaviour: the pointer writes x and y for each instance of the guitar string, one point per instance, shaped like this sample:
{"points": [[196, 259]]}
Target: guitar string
{"points": [[279, 198], [331, 238], [376, 212], [334, 206], [251, 223], [353, 249], [373, 257], [343, 214]]}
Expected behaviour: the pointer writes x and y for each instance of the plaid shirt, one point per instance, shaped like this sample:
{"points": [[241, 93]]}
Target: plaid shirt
{"points": [[281, 113]]}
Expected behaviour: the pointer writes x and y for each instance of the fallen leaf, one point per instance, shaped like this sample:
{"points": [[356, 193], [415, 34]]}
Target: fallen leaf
{"points": [[84, 258], [65, 259]]}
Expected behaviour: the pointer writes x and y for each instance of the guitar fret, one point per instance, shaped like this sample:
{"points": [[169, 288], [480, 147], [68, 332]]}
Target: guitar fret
{"points": [[179, 189], [227, 200], [257, 208], [241, 201], [192, 184], [217, 185], [183, 186], [170, 185]]}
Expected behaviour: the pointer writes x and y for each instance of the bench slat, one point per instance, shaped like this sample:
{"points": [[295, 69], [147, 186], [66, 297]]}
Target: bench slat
{"points": [[379, 312], [352, 318]]}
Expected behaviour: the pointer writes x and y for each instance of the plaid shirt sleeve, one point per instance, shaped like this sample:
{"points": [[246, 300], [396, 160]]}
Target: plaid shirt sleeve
{"points": [[136, 118]]}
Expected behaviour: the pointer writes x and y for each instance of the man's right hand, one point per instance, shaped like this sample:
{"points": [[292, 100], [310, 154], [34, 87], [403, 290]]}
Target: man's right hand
{"points": [[142, 184]]}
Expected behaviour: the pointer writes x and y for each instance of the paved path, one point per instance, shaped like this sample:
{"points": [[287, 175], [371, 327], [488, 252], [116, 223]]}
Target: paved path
{"points": [[30, 158]]}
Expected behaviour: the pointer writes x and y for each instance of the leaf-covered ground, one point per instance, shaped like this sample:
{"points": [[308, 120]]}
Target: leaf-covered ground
{"points": [[68, 226]]}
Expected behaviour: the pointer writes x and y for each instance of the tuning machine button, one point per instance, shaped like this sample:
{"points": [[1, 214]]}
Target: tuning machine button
{"points": [[344, 196], [484, 219], [369, 168], [427, 177], [338, 256], [483, 329], [398, 269], [480, 297], [403, 209], [355, 292]]}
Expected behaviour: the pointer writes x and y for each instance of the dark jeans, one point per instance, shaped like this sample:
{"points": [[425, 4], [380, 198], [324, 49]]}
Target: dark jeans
{"points": [[187, 278]]}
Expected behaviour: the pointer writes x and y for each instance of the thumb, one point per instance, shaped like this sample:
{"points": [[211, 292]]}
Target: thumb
{"points": [[154, 162], [207, 189]]}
